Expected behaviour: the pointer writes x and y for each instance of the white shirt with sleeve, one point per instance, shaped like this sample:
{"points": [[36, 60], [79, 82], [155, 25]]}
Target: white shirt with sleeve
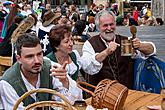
{"points": [[71, 67]]}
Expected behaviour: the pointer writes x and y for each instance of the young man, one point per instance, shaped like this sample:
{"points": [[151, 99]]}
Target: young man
{"points": [[31, 71], [102, 53]]}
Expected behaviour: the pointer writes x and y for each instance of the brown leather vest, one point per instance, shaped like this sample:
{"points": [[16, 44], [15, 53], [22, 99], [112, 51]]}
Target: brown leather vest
{"points": [[115, 66]]}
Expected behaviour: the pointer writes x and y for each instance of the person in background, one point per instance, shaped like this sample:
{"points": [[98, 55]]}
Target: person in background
{"points": [[159, 21], [144, 10], [24, 10], [92, 26], [47, 8], [135, 14], [50, 19], [63, 8], [149, 11], [3, 14], [93, 10], [144, 20], [27, 9], [74, 15], [64, 20], [120, 21], [78, 31], [100, 7], [61, 41], [5, 45], [30, 72], [114, 9], [151, 21], [107, 6], [102, 53], [15, 11], [131, 20], [39, 11], [41, 6], [7, 6]]}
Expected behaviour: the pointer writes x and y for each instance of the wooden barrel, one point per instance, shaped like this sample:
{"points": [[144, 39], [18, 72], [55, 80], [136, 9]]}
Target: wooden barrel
{"points": [[107, 94]]}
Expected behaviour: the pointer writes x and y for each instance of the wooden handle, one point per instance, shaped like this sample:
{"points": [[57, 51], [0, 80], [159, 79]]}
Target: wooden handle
{"points": [[66, 102], [87, 84], [44, 104], [133, 31]]}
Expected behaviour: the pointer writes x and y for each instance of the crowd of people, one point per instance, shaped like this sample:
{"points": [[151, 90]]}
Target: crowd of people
{"points": [[41, 42], [139, 17]]}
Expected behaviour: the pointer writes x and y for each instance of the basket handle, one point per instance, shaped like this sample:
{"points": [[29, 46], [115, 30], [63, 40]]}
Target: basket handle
{"points": [[79, 83]]}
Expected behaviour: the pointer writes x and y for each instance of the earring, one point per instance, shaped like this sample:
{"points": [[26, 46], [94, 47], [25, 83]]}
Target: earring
{"points": [[56, 48]]}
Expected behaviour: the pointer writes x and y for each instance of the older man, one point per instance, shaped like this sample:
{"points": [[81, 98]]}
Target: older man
{"points": [[102, 53]]}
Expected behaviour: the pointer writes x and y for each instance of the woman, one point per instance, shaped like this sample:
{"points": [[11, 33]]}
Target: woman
{"points": [[61, 41], [74, 15]]}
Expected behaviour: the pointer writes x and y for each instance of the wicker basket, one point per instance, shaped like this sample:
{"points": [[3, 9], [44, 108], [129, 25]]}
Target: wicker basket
{"points": [[107, 94]]}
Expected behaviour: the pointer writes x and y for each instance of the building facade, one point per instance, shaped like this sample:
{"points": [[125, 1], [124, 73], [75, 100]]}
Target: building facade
{"points": [[158, 8]]}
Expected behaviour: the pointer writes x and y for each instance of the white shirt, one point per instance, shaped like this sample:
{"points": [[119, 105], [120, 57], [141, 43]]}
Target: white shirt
{"points": [[9, 95], [71, 67], [91, 65], [144, 10]]}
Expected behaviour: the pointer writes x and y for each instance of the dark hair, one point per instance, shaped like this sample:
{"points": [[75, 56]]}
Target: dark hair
{"points": [[40, 4], [79, 27], [17, 19], [35, 17], [159, 21], [57, 33], [26, 40]]}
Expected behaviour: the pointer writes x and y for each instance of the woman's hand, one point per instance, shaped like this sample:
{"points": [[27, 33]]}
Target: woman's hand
{"points": [[60, 73]]}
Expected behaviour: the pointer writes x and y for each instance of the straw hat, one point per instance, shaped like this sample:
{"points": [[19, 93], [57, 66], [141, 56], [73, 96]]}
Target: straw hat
{"points": [[49, 17], [22, 28]]}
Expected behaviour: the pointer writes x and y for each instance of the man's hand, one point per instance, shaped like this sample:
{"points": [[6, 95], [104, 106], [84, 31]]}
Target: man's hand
{"points": [[60, 73], [112, 47], [136, 43], [108, 51], [146, 48]]}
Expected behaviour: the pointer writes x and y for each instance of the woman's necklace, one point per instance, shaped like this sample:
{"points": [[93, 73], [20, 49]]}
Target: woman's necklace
{"points": [[62, 59]]}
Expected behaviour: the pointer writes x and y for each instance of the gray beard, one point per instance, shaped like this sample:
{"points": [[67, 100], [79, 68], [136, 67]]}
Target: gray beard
{"points": [[108, 37]]}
